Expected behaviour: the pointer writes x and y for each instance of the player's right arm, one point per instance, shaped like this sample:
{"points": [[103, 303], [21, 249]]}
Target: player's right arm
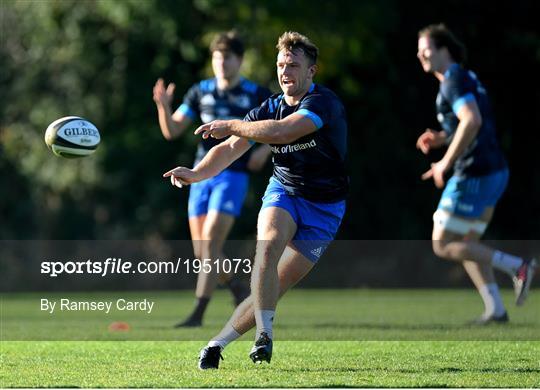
{"points": [[216, 160], [172, 124]]}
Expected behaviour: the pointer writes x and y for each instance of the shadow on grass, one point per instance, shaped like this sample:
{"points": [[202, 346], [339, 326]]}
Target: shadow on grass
{"points": [[411, 327], [442, 370]]}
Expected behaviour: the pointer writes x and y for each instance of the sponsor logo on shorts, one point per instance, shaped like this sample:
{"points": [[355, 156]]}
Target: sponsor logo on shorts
{"points": [[317, 251]]}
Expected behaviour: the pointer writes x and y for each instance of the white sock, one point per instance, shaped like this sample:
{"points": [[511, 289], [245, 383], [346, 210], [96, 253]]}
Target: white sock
{"points": [[264, 319], [492, 300], [226, 336], [506, 262]]}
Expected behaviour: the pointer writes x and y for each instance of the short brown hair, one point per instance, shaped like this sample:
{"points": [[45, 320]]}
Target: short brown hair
{"points": [[293, 41], [443, 37], [228, 41]]}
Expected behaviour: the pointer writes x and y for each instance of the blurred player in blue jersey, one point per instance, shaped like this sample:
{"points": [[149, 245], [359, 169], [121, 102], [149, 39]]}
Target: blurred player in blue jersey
{"points": [[480, 173], [214, 204], [304, 202]]}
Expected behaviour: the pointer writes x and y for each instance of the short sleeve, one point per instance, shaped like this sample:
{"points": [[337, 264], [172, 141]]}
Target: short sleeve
{"points": [[190, 105], [317, 108], [456, 91]]}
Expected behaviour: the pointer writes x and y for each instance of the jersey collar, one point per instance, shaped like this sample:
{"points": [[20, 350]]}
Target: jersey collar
{"points": [[450, 69]]}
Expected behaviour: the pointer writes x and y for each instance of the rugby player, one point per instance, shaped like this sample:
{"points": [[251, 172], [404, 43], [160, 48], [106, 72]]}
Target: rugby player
{"points": [[304, 202], [214, 204], [480, 173]]}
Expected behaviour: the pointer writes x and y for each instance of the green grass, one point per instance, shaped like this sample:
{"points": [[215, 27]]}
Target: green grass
{"points": [[324, 338], [296, 364]]}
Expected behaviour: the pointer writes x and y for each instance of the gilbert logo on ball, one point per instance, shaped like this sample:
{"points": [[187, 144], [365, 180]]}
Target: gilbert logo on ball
{"points": [[72, 137]]}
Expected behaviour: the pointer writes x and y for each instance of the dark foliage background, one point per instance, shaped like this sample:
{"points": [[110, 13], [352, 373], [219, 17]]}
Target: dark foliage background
{"points": [[100, 59]]}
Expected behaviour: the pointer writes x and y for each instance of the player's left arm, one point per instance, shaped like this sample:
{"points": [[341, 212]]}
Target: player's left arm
{"points": [[470, 121], [268, 131], [215, 161]]}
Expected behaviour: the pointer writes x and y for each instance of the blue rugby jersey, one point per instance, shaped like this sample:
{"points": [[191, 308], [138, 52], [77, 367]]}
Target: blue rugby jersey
{"points": [[313, 166], [483, 156], [204, 101]]}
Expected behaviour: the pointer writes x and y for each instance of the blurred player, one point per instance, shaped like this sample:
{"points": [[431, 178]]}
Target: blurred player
{"points": [[480, 173], [304, 202], [215, 203]]}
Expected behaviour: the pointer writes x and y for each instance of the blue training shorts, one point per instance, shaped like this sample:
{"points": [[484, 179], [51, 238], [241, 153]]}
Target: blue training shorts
{"points": [[470, 196], [224, 193], [317, 223]]}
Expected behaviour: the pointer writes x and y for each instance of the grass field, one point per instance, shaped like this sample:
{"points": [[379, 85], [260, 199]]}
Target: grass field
{"points": [[324, 338]]}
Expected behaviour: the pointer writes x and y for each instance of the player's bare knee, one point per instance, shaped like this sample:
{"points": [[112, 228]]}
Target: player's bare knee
{"points": [[456, 249], [452, 232], [441, 249]]}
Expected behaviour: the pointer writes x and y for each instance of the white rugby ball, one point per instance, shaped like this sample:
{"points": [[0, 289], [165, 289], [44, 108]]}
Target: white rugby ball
{"points": [[72, 136]]}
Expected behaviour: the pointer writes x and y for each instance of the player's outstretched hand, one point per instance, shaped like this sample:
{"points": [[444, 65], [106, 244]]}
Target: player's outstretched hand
{"points": [[162, 95], [215, 129], [181, 176], [437, 172], [430, 139]]}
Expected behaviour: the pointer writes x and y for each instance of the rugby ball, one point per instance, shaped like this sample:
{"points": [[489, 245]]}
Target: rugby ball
{"points": [[72, 137]]}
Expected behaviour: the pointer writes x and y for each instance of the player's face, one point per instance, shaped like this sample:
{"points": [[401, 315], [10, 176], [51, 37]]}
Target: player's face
{"points": [[294, 72], [430, 57], [226, 64]]}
